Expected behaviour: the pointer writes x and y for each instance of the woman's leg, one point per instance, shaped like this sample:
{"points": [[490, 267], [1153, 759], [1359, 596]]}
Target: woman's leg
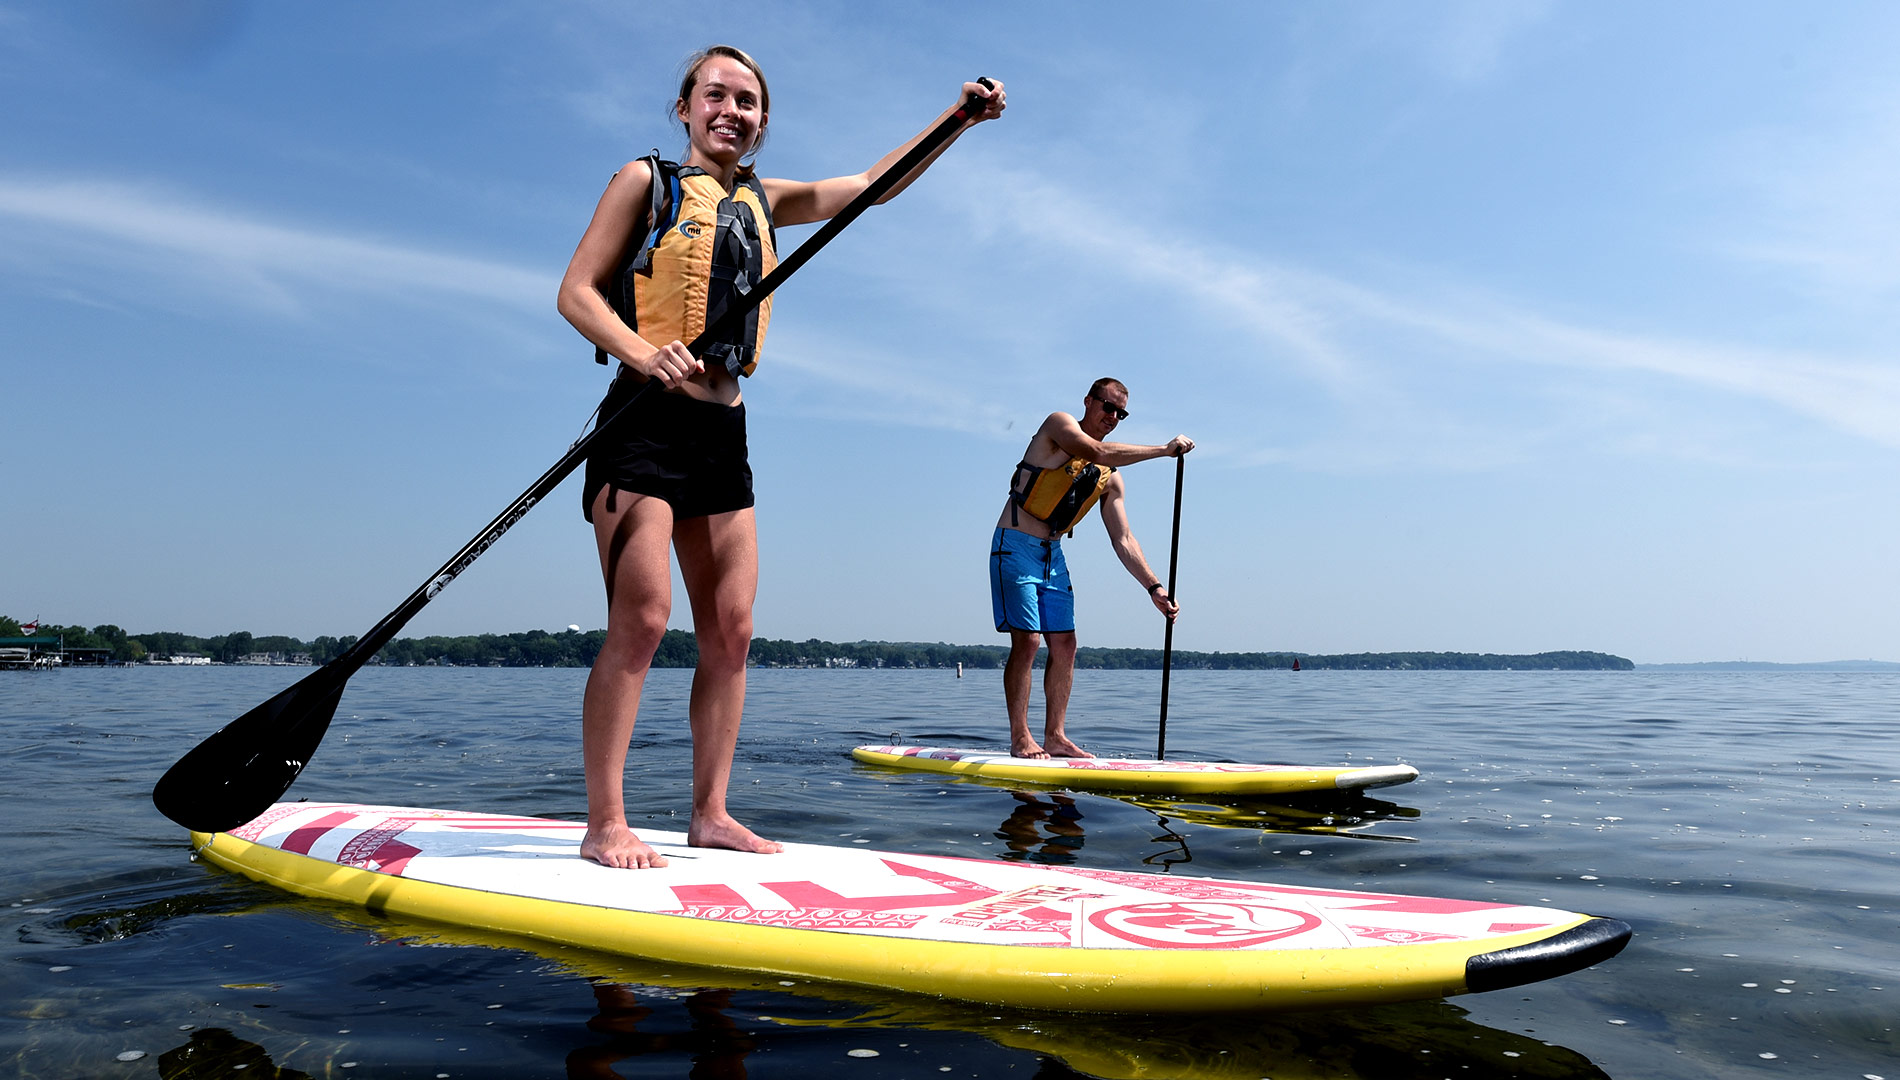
{"points": [[633, 542], [719, 561]]}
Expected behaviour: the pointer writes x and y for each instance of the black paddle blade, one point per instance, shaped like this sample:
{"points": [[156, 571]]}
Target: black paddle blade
{"points": [[248, 764]]}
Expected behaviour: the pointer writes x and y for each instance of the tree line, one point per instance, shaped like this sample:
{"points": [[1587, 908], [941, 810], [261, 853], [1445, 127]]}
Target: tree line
{"points": [[678, 649]]}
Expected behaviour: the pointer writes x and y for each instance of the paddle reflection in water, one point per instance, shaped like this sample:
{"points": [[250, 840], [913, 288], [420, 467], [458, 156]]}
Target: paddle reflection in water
{"points": [[1345, 816], [1047, 827]]}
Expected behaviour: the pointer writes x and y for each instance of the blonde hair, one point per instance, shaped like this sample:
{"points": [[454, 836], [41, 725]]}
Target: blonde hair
{"points": [[691, 78]]}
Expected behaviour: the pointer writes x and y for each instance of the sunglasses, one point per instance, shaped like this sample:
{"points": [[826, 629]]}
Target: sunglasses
{"points": [[1115, 411]]}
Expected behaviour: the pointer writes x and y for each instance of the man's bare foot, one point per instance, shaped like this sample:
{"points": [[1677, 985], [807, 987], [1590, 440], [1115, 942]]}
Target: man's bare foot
{"points": [[615, 845], [1060, 746], [1026, 748], [723, 832]]}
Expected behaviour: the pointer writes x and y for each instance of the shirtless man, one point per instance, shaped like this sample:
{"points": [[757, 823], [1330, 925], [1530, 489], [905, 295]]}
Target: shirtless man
{"points": [[1067, 469]]}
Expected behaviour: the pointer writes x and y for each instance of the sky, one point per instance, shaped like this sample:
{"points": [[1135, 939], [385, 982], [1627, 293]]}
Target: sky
{"points": [[1500, 327]]}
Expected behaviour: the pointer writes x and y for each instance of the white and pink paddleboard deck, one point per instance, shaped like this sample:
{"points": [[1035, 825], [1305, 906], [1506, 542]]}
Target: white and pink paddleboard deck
{"points": [[1062, 937], [1136, 775]]}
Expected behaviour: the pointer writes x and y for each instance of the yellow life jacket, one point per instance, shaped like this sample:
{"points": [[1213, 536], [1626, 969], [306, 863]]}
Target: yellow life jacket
{"points": [[706, 247], [1058, 497]]}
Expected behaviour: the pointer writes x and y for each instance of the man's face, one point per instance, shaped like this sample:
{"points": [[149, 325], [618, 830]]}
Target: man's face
{"points": [[1104, 409]]}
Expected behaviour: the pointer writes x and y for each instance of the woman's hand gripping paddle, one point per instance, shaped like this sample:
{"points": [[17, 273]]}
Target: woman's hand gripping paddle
{"points": [[236, 773]]}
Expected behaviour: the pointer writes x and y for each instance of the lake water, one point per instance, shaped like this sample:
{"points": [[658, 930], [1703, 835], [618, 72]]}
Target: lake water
{"points": [[1745, 824]]}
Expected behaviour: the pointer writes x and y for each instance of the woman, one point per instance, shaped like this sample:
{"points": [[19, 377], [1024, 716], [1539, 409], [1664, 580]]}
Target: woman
{"points": [[674, 471]]}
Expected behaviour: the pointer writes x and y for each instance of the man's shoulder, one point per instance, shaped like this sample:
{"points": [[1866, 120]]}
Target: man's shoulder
{"points": [[1058, 421], [1051, 436]]}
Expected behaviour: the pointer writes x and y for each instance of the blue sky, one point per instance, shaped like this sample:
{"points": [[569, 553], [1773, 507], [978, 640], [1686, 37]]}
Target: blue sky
{"points": [[1501, 326]]}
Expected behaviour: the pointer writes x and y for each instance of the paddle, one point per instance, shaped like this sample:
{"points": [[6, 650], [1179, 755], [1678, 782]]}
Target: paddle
{"points": [[1167, 642], [244, 767]]}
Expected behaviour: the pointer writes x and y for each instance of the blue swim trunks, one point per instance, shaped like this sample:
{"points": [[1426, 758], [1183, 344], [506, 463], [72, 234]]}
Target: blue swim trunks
{"points": [[1029, 584]]}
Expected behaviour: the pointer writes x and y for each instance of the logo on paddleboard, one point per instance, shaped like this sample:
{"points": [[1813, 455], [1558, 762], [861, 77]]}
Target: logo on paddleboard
{"points": [[1201, 924]]}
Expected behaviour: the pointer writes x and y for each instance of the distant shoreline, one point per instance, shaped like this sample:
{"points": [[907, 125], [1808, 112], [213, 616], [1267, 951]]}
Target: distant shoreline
{"points": [[678, 649], [1767, 665]]}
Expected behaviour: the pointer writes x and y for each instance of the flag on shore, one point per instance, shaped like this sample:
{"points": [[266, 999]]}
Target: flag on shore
{"points": [[29, 629]]}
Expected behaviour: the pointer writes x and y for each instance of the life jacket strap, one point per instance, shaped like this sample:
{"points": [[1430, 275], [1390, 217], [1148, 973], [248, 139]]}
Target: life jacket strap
{"points": [[662, 196]]}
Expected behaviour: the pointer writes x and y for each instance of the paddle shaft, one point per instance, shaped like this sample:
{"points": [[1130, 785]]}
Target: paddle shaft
{"points": [[731, 310], [1167, 641]]}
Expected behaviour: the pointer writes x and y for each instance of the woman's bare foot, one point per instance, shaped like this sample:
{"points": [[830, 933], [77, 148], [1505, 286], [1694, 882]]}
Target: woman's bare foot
{"points": [[723, 832], [615, 845], [1060, 746], [1026, 748]]}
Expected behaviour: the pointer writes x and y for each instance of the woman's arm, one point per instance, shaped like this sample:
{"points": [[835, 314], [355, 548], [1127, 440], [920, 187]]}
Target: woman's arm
{"points": [[582, 299], [799, 202]]}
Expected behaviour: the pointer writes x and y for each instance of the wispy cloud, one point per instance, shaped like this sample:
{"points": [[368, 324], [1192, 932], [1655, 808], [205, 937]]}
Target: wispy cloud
{"points": [[864, 382], [1820, 193], [1341, 333], [78, 225], [1467, 39]]}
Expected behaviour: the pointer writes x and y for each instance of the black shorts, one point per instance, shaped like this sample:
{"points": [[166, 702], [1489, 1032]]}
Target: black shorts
{"points": [[689, 452]]}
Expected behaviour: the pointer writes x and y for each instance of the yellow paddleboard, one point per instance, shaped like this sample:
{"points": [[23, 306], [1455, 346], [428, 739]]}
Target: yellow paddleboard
{"points": [[1022, 934], [1227, 778]]}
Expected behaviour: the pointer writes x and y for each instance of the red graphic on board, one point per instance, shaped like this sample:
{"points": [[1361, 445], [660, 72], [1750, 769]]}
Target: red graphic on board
{"points": [[953, 891], [1201, 925], [1203, 889], [1048, 927], [704, 895], [378, 849], [1400, 937], [254, 829], [806, 918], [1185, 888], [305, 837], [1515, 927], [508, 824]]}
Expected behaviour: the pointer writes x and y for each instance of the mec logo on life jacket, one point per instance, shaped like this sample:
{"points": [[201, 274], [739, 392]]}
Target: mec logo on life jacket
{"points": [[689, 229], [1200, 924]]}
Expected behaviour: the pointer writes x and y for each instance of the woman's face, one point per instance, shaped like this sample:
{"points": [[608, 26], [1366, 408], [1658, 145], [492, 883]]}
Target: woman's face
{"points": [[724, 115]]}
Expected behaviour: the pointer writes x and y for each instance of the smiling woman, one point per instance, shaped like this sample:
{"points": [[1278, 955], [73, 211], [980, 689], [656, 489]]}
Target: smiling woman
{"points": [[670, 247]]}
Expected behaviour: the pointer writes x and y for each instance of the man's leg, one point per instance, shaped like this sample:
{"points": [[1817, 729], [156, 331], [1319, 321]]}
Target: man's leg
{"points": [[1017, 674], [1058, 676]]}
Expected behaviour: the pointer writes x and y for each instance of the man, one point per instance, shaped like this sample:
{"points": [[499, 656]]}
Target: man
{"points": [[1067, 469]]}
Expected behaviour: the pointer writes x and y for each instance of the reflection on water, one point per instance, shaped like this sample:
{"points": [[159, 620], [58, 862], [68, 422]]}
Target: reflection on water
{"points": [[1321, 813], [728, 1015], [1338, 815], [1046, 827], [1042, 830], [717, 1046], [216, 1054]]}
